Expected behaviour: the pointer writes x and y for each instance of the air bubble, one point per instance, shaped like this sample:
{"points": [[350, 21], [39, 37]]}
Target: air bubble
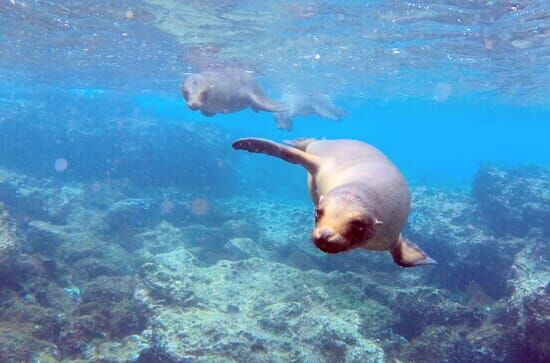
{"points": [[61, 165]]}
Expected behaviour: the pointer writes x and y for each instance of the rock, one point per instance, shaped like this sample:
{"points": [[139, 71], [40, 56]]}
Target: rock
{"points": [[420, 307], [18, 347], [279, 313], [22, 197], [514, 201], [90, 268], [107, 318], [536, 324], [8, 240], [163, 238], [129, 349], [29, 198], [130, 213], [241, 248], [446, 225], [111, 301], [80, 246], [36, 321], [444, 344], [76, 338], [44, 237], [238, 228], [170, 281]]}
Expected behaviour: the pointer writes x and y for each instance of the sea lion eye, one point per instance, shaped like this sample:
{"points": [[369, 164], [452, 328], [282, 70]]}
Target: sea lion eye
{"points": [[357, 226], [203, 96], [186, 95], [318, 214]]}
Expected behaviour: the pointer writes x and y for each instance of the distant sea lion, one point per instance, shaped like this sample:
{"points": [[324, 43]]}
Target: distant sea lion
{"points": [[226, 91], [306, 105], [361, 199]]}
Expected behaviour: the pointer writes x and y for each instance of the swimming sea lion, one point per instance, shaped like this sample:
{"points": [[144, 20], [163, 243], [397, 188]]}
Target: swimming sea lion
{"points": [[305, 105], [361, 199], [226, 91]]}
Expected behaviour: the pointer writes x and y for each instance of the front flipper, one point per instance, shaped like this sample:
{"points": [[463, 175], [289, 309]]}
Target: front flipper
{"points": [[260, 103], [287, 153], [207, 114], [407, 254]]}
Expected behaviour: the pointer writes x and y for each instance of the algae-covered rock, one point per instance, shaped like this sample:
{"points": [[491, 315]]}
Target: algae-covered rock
{"points": [[44, 237], [448, 227], [16, 347], [251, 310], [163, 238], [240, 248], [419, 307], [130, 213], [8, 241], [514, 201]]}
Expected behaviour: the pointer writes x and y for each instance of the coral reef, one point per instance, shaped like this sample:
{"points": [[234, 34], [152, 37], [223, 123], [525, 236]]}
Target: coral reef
{"points": [[121, 272]]}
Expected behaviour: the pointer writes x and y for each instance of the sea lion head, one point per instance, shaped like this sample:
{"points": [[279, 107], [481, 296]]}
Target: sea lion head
{"points": [[343, 221], [195, 91]]}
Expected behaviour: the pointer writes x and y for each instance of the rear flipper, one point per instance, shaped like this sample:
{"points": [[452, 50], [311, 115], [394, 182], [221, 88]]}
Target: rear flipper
{"points": [[283, 121], [330, 112], [407, 254], [260, 103], [287, 153]]}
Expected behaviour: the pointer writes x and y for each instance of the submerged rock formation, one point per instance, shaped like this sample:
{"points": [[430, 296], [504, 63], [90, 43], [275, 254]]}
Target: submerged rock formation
{"points": [[514, 201], [253, 310], [119, 272]]}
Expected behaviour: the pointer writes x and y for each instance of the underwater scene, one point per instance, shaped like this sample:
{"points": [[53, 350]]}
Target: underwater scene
{"points": [[274, 181]]}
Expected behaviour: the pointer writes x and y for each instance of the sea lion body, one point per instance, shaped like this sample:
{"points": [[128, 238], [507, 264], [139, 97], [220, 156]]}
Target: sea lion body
{"points": [[350, 162], [361, 199], [306, 105], [226, 91]]}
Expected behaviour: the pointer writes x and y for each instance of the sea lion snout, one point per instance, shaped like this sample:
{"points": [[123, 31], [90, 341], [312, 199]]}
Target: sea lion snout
{"points": [[194, 105], [327, 240]]}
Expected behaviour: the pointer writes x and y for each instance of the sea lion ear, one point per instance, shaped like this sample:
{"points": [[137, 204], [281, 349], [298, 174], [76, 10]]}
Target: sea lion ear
{"points": [[407, 254]]}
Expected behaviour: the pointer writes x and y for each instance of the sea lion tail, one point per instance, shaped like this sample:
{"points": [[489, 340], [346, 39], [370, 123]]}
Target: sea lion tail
{"points": [[287, 153], [407, 254]]}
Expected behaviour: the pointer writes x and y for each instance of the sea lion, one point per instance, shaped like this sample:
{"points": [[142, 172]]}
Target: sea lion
{"points": [[361, 199], [306, 105], [226, 91]]}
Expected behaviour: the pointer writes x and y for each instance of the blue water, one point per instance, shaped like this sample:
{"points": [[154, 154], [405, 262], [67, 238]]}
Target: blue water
{"points": [[435, 143], [123, 206]]}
